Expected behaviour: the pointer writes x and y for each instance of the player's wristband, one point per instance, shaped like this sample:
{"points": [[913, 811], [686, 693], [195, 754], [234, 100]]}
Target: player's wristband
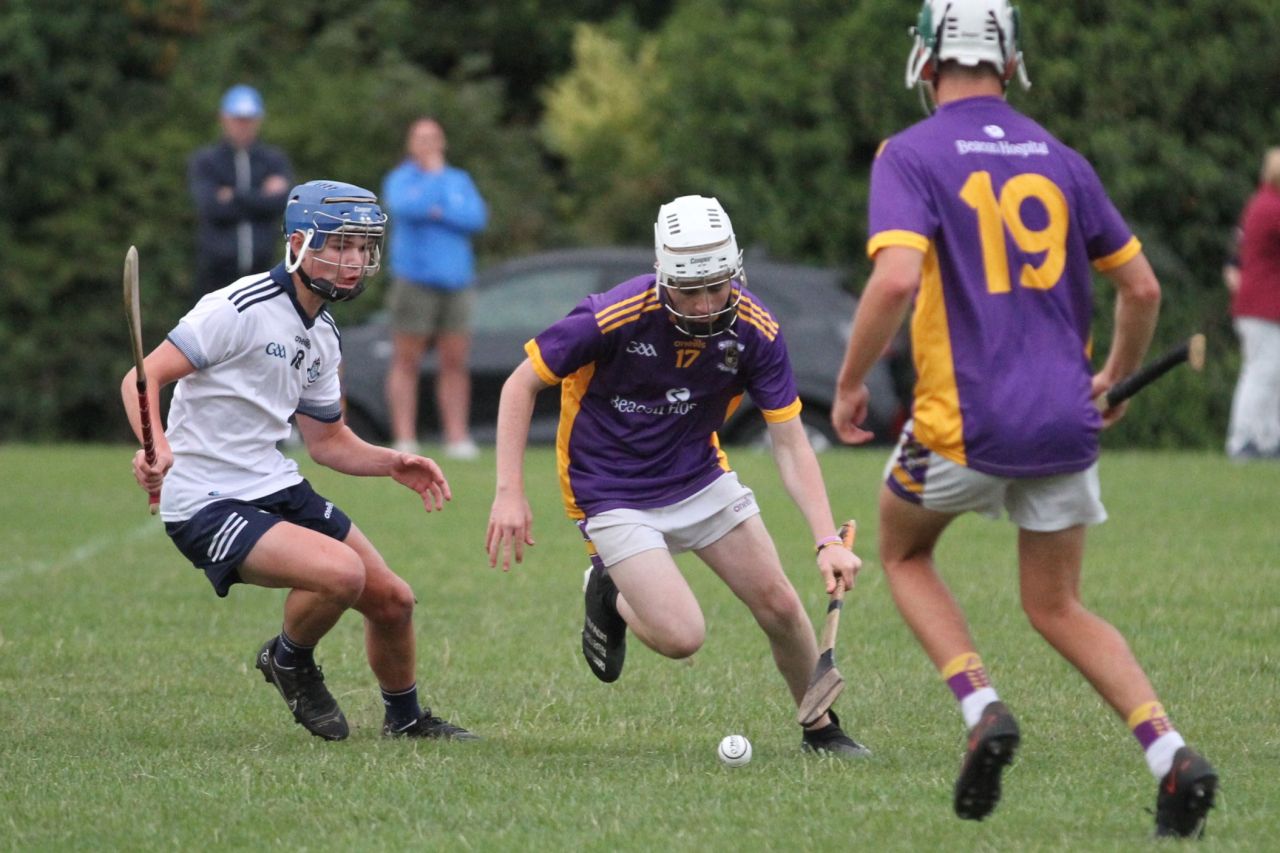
{"points": [[826, 542]]}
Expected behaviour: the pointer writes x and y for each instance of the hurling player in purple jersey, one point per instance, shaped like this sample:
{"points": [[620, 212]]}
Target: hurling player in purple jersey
{"points": [[990, 226], [648, 372]]}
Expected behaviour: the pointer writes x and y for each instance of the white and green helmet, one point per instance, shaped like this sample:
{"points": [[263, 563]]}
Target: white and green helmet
{"points": [[969, 32]]}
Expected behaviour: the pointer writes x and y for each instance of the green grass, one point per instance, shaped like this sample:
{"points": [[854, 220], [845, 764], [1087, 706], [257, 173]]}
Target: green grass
{"points": [[133, 719]]}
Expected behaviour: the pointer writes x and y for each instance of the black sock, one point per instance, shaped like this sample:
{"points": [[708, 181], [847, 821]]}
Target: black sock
{"points": [[291, 654], [402, 706]]}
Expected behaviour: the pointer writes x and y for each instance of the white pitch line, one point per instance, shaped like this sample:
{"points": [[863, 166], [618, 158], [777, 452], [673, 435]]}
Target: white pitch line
{"points": [[82, 552]]}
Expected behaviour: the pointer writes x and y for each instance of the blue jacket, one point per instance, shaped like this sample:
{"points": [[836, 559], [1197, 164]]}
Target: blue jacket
{"points": [[433, 215]]}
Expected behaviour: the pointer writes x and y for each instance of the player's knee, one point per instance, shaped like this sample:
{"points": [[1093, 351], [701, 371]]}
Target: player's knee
{"points": [[393, 604], [344, 577], [778, 609], [676, 635], [890, 565], [1049, 617], [682, 643]]}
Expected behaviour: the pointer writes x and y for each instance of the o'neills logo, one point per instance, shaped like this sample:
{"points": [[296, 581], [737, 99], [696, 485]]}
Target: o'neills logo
{"points": [[1002, 147]]}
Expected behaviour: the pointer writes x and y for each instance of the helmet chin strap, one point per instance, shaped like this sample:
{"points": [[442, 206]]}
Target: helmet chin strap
{"points": [[328, 290], [711, 328], [927, 102], [292, 264], [717, 323]]}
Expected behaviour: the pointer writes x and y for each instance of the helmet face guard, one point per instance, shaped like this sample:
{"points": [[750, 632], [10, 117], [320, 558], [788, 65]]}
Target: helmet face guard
{"points": [[325, 211], [697, 253], [703, 325]]}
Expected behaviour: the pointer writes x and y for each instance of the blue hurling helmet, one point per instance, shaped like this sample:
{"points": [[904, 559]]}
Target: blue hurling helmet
{"points": [[324, 209]]}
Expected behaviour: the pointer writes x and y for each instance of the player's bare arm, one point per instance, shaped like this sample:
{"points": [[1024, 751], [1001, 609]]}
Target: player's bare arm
{"points": [[335, 446], [164, 365], [1137, 309], [511, 520], [884, 304], [802, 477]]}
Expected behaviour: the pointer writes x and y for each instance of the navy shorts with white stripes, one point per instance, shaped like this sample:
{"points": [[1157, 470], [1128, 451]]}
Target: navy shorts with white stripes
{"points": [[219, 537]]}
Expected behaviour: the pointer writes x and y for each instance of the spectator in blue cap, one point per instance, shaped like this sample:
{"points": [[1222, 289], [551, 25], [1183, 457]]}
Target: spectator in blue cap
{"points": [[239, 186]]}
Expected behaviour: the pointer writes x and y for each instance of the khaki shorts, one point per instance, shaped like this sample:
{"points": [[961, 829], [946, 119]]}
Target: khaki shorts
{"points": [[428, 311], [696, 522], [1043, 504]]}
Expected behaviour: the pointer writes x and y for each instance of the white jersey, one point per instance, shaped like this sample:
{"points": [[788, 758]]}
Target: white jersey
{"points": [[258, 359]]}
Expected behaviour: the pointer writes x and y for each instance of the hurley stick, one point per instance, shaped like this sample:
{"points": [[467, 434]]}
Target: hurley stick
{"points": [[826, 682]]}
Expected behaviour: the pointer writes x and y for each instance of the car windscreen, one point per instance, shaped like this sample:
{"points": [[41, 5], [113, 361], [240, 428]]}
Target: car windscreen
{"points": [[533, 299]]}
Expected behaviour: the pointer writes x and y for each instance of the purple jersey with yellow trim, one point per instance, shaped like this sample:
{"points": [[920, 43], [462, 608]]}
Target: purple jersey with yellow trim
{"points": [[1009, 219], [640, 401]]}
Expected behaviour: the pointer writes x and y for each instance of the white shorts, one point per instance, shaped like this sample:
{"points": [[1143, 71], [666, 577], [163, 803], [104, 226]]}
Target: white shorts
{"points": [[688, 525], [1043, 504]]}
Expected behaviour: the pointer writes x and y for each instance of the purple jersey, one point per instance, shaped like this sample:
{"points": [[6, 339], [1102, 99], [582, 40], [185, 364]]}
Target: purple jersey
{"points": [[640, 401], [1009, 220]]}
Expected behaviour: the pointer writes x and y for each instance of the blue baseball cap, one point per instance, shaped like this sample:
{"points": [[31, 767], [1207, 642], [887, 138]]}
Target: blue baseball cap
{"points": [[242, 102]]}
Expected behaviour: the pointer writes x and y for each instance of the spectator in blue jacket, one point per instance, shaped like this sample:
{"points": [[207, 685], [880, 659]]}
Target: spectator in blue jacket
{"points": [[436, 208], [239, 187]]}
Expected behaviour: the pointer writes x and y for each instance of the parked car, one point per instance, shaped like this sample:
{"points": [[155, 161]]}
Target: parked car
{"points": [[518, 299]]}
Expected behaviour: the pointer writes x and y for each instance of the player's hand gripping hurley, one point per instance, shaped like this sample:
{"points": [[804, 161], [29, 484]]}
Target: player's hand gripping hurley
{"points": [[1191, 351], [826, 682], [133, 313]]}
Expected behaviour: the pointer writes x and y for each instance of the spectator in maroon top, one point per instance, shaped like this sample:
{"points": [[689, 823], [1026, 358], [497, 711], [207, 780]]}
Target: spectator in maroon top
{"points": [[1254, 431]]}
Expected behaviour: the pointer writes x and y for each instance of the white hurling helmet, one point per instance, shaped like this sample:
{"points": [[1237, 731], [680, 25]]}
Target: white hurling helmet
{"points": [[969, 32], [695, 248]]}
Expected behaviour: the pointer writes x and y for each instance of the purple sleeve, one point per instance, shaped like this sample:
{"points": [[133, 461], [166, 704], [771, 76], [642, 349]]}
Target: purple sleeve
{"points": [[771, 382], [570, 343], [899, 199], [1105, 230]]}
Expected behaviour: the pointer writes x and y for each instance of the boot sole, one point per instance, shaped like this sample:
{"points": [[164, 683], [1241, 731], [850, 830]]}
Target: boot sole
{"points": [[978, 788]]}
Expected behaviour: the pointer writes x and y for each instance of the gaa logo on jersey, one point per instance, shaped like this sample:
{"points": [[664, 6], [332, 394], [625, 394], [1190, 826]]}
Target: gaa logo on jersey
{"points": [[642, 348]]}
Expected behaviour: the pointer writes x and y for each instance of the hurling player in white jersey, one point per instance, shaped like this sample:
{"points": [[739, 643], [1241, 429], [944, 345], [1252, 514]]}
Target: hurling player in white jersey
{"points": [[245, 359]]}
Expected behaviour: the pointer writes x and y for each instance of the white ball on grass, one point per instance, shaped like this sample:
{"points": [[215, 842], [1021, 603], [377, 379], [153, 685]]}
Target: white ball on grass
{"points": [[734, 750]]}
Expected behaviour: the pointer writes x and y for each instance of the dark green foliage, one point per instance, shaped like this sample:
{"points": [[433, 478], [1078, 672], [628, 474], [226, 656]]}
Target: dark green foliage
{"points": [[776, 106], [81, 140], [104, 103]]}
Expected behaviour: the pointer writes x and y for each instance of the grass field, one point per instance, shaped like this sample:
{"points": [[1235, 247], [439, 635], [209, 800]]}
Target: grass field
{"points": [[133, 718]]}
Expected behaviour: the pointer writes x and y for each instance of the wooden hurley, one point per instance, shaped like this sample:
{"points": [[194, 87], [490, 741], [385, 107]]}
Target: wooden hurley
{"points": [[826, 682]]}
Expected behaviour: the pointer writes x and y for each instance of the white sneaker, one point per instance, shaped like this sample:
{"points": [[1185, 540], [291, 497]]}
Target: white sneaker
{"points": [[405, 446], [463, 450]]}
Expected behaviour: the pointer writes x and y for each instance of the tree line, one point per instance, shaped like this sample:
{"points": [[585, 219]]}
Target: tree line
{"points": [[577, 118]]}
